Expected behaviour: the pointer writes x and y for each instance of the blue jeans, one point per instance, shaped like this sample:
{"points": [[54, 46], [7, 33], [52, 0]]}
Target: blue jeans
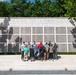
{"points": [[55, 55]]}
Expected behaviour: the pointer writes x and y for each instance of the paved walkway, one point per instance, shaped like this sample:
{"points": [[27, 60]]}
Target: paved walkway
{"points": [[14, 62]]}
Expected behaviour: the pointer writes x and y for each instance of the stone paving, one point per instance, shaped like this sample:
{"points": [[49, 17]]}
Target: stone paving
{"points": [[59, 72], [14, 63]]}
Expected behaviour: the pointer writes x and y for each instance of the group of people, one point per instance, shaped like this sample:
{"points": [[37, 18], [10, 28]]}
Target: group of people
{"points": [[38, 51]]}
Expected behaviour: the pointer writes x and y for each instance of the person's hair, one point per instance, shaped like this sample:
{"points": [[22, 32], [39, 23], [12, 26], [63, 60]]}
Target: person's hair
{"points": [[46, 42], [23, 42], [40, 42]]}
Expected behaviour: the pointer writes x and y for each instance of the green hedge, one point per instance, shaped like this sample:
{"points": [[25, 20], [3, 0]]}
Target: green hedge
{"points": [[10, 53], [67, 53], [18, 53]]}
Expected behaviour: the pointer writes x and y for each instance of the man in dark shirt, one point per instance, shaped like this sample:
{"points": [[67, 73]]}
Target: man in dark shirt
{"points": [[55, 50]]}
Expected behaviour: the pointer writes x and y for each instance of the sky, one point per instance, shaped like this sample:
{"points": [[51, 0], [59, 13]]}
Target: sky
{"points": [[9, 0], [5, 0]]}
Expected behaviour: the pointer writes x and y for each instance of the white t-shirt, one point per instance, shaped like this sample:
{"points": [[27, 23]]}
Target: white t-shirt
{"points": [[22, 47]]}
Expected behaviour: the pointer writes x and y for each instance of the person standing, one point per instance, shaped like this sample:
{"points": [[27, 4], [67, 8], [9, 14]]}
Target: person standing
{"points": [[22, 50], [35, 48], [26, 50], [32, 53], [55, 47], [40, 50], [42, 53], [50, 51], [29, 46], [47, 50]]}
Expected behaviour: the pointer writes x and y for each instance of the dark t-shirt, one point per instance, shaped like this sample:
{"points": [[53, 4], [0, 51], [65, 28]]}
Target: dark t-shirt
{"points": [[55, 48]]}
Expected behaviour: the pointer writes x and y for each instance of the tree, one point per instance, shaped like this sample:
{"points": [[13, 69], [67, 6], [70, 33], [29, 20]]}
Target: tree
{"points": [[46, 7], [37, 9], [17, 8], [3, 9], [24, 8], [70, 6], [27, 9], [58, 8], [23, 1]]}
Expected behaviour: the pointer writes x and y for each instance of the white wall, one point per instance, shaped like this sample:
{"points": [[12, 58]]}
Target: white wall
{"points": [[54, 29], [54, 21]]}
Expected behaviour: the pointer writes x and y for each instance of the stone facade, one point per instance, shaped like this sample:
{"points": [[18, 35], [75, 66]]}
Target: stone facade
{"points": [[15, 30]]}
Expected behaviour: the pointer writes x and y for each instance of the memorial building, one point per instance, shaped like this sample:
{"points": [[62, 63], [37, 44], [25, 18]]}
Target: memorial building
{"points": [[15, 30]]}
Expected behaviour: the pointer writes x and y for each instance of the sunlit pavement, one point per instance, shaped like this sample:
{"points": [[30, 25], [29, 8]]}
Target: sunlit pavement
{"points": [[14, 64]]}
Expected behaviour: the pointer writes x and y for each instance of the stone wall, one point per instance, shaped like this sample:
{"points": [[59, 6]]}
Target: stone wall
{"points": [[59, 32]]}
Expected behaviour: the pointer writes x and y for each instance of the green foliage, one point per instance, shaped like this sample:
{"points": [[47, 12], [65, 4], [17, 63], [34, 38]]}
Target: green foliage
{"points": [[46, 8], [67, 53], [70, 6], [58, 8], [3, 9], [10, 53]]}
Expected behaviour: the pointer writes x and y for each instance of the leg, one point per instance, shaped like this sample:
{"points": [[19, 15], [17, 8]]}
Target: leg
{"points": [[24, 57], [27, 57], [44, 55], [41, 58], [47, 55], [22, 54], [54, 55], [32, 58]]}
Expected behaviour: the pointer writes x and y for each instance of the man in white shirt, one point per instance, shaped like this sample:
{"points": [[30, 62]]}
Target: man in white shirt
{"points": [[22, 50]]}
